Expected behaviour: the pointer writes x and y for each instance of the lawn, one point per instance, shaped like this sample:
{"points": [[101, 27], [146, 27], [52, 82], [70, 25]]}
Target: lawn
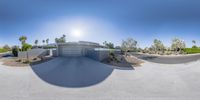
{"points": [[3, 50], [192, 50]]}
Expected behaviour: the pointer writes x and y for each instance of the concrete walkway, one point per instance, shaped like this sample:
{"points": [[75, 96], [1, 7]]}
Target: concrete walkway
{"points": [[149, 82]]}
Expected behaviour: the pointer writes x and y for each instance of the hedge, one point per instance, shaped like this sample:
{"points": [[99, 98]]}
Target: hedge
{"points": [[192, 50]]}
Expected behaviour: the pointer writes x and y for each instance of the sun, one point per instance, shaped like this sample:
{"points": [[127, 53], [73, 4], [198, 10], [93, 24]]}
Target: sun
{"points": [[77, 33]]}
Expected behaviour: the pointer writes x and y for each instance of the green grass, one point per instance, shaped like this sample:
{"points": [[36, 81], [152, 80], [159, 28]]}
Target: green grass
{"points": [[192, 50], [3, 50]]}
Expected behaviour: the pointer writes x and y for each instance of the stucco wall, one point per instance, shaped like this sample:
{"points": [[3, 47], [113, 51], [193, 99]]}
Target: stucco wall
{"points": [[33, 53], [99, 55], [82, 47]]}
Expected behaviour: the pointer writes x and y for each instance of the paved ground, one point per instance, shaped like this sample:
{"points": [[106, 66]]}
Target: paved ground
{"points": [[150, 81], [169, 59]]}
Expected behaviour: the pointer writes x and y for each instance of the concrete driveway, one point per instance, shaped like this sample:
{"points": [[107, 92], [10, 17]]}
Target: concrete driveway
{"points": [[72, 71], [149, 82]]}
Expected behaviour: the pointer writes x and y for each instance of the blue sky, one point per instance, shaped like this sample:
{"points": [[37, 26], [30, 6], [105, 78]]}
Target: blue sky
{"points": [[100, 20]]}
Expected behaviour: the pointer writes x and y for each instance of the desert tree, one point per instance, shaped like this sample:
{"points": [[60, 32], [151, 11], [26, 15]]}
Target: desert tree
{"points": [[108, 45], [177, 45], [128, 44], [158, 45], [6, 47], [117, 47]]}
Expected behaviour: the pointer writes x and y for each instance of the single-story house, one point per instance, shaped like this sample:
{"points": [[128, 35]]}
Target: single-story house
{"points": [[83, 48], [70, 49], [75, 48]]}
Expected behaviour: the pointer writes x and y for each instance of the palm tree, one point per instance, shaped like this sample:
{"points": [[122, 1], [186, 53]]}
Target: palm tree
{"points": [[47, 41], [64, 35], [23, 39], [194, 42], [61, 39], [36, 42], [43, 41]]}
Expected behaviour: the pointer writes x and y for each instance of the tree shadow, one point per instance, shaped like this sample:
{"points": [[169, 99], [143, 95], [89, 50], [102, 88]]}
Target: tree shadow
{"points": [[72, 72]]}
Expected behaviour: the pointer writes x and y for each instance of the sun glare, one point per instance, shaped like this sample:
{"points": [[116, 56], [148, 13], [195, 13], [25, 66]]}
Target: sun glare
{"points": [[77, 33]]}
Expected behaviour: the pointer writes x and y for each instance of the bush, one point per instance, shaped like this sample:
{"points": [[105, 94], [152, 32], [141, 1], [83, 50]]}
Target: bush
{"points": [[49, 47], [194, 46], [15, 50], [112, 57], [26, 46], [191, 50]]}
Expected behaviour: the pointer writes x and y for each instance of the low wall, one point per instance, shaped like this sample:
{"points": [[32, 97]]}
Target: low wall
{"points": [[54, 53], [33, 53], [100, 54]]}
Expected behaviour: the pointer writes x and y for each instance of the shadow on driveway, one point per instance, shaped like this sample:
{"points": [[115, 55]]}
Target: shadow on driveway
{"points": [[72, 71]]}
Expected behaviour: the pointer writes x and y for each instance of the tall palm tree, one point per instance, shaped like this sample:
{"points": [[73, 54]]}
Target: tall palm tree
{"points": [[194, 42], [36, 42], [47, 41], [43, 41], [23, 39]]}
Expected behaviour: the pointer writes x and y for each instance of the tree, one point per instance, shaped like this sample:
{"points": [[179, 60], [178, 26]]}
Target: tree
{"points": [[108, 45], [178, 45], [61, 39], [128, 44], [23, 39], [15, 50], [6, 47], [158, 45], [43, 41], [117, 47], [194, 44], [36, 42], [26, 46], [47, 41]]}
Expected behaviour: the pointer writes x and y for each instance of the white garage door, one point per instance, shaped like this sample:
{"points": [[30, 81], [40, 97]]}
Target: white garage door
{"points": [[70, 51]]}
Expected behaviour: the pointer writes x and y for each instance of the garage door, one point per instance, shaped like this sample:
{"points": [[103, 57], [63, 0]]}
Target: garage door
{"points": [[70, 51]]}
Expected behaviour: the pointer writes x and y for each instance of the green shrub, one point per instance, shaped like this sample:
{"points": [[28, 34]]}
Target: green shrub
{"points": [[49, 47], [15, 50], [26, 46], [191, 50]]}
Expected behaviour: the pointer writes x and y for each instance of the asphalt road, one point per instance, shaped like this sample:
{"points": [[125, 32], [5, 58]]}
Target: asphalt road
{"points": [[57, 80], [169, 59]]}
